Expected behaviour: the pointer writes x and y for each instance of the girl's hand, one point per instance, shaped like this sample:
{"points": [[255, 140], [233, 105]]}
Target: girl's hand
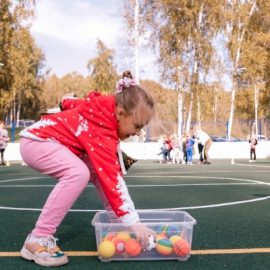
{"points": [[142, 233]]}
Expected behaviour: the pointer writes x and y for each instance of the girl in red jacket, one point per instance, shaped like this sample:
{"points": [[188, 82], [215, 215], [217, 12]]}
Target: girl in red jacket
{"points": [[81, 144]]}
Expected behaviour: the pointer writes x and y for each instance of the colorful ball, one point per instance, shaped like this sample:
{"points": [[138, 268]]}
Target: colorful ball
{"points": [[181, 248], [133, 235], [164, 247], [104, 235], [109, 237], [161, 228], [106, 249], [124, 235], [133, 247], [173, 230], [119, 244], [161, 236], [174, 238]]}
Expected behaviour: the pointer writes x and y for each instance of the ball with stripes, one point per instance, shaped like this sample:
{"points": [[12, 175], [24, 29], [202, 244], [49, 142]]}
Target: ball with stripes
{"points": [[164, 247], [161, 228]]}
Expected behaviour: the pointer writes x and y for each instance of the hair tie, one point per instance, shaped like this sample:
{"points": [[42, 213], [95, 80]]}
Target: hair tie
{"points": [[126, 82]]}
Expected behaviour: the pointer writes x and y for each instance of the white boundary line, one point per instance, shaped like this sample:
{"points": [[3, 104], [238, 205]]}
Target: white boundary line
{"points": [[167, 209], [141, 186], [239, 164]]}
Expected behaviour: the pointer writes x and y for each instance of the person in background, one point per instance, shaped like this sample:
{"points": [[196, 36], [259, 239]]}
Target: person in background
{"points": [[160, 149], [206, 141], [166, 149], [190, 144], [253, 142], [3, 141], [176, 149], [184, 147], [196, 136]]}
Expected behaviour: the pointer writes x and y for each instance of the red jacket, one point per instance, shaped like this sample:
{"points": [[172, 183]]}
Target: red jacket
{"points": [[90, 127]]}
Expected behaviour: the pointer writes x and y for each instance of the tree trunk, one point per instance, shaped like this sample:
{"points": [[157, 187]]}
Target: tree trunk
{"points": [[180, 113], [189, 113], [198, 110], [136, 41], [215, 107], [236, 63]]}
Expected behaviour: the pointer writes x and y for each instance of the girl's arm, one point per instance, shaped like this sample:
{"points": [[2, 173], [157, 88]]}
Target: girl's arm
{"points": [[69, 101], [102, 151]]}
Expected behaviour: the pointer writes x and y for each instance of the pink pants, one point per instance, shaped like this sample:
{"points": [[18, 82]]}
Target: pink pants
{"points": [[73, 174]]}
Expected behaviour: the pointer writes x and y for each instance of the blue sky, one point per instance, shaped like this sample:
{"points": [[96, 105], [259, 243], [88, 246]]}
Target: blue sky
{"points": [[67, 30]]}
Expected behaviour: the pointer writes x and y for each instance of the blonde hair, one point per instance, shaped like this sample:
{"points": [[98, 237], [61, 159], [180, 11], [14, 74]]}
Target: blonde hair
{"points": [[136, 100]]}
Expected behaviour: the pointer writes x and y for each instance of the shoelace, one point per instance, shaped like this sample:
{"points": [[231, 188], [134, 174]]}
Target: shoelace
{"points": [[50, 243]]}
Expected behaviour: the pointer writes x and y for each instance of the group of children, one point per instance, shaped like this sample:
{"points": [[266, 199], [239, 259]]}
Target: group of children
{"points": [[171, 148]]}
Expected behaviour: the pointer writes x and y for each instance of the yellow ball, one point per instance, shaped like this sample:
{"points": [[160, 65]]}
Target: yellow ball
{"points": [[124, 235], [174, 238], [106, 249]]}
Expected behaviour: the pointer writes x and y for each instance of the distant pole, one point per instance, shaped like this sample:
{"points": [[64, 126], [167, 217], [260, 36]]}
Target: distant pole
{"points": [[148, 133], [13, 132]]}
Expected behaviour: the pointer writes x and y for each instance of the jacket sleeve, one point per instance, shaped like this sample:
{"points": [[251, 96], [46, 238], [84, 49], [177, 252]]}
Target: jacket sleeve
{"points": [[70, 103], [102, 151]]}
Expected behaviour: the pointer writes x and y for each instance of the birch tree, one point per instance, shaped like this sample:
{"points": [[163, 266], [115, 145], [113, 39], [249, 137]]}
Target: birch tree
{"points": [[133, 29], [240, 13], [184, 31]]}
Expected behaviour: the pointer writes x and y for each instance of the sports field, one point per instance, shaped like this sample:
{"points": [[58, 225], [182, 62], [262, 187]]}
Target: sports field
{"points": [[229, 201]]}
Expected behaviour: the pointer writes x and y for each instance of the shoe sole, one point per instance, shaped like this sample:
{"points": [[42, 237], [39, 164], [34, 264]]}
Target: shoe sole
{"points": [[25, 254]]}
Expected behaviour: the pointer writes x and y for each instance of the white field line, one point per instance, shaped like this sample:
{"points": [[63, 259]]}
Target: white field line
{"points": [[168, 209]]}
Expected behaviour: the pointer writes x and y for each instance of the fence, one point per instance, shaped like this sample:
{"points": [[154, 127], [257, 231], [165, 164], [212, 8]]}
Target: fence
{"points": [[240, 128]]}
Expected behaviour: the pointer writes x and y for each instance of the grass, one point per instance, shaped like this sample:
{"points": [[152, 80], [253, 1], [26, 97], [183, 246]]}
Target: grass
{"points": [[16, 135]]}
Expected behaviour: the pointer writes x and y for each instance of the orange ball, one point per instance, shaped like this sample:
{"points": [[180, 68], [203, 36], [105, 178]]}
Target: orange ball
{"points": [[109, 237], [133, 247], [161, 236], [181, 248]]}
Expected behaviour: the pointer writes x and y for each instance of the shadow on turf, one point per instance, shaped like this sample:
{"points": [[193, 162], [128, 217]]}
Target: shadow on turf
{"points": [[261, 195]]}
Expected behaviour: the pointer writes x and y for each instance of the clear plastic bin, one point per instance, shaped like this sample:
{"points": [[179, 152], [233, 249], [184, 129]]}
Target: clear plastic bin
{"points": [[166, 224]]}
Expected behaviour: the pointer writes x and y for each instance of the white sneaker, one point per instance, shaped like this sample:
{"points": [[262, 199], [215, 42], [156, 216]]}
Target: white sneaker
{"points": [[250, 160], [43, 251], [254, 160]]}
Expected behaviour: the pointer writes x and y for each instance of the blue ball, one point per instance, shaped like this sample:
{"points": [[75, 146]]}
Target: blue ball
{"points": [[173, 230]]}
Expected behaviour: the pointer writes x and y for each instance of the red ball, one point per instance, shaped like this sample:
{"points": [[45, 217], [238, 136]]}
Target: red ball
{"points": [[181, 248], [119, 244], [133, 247]]}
